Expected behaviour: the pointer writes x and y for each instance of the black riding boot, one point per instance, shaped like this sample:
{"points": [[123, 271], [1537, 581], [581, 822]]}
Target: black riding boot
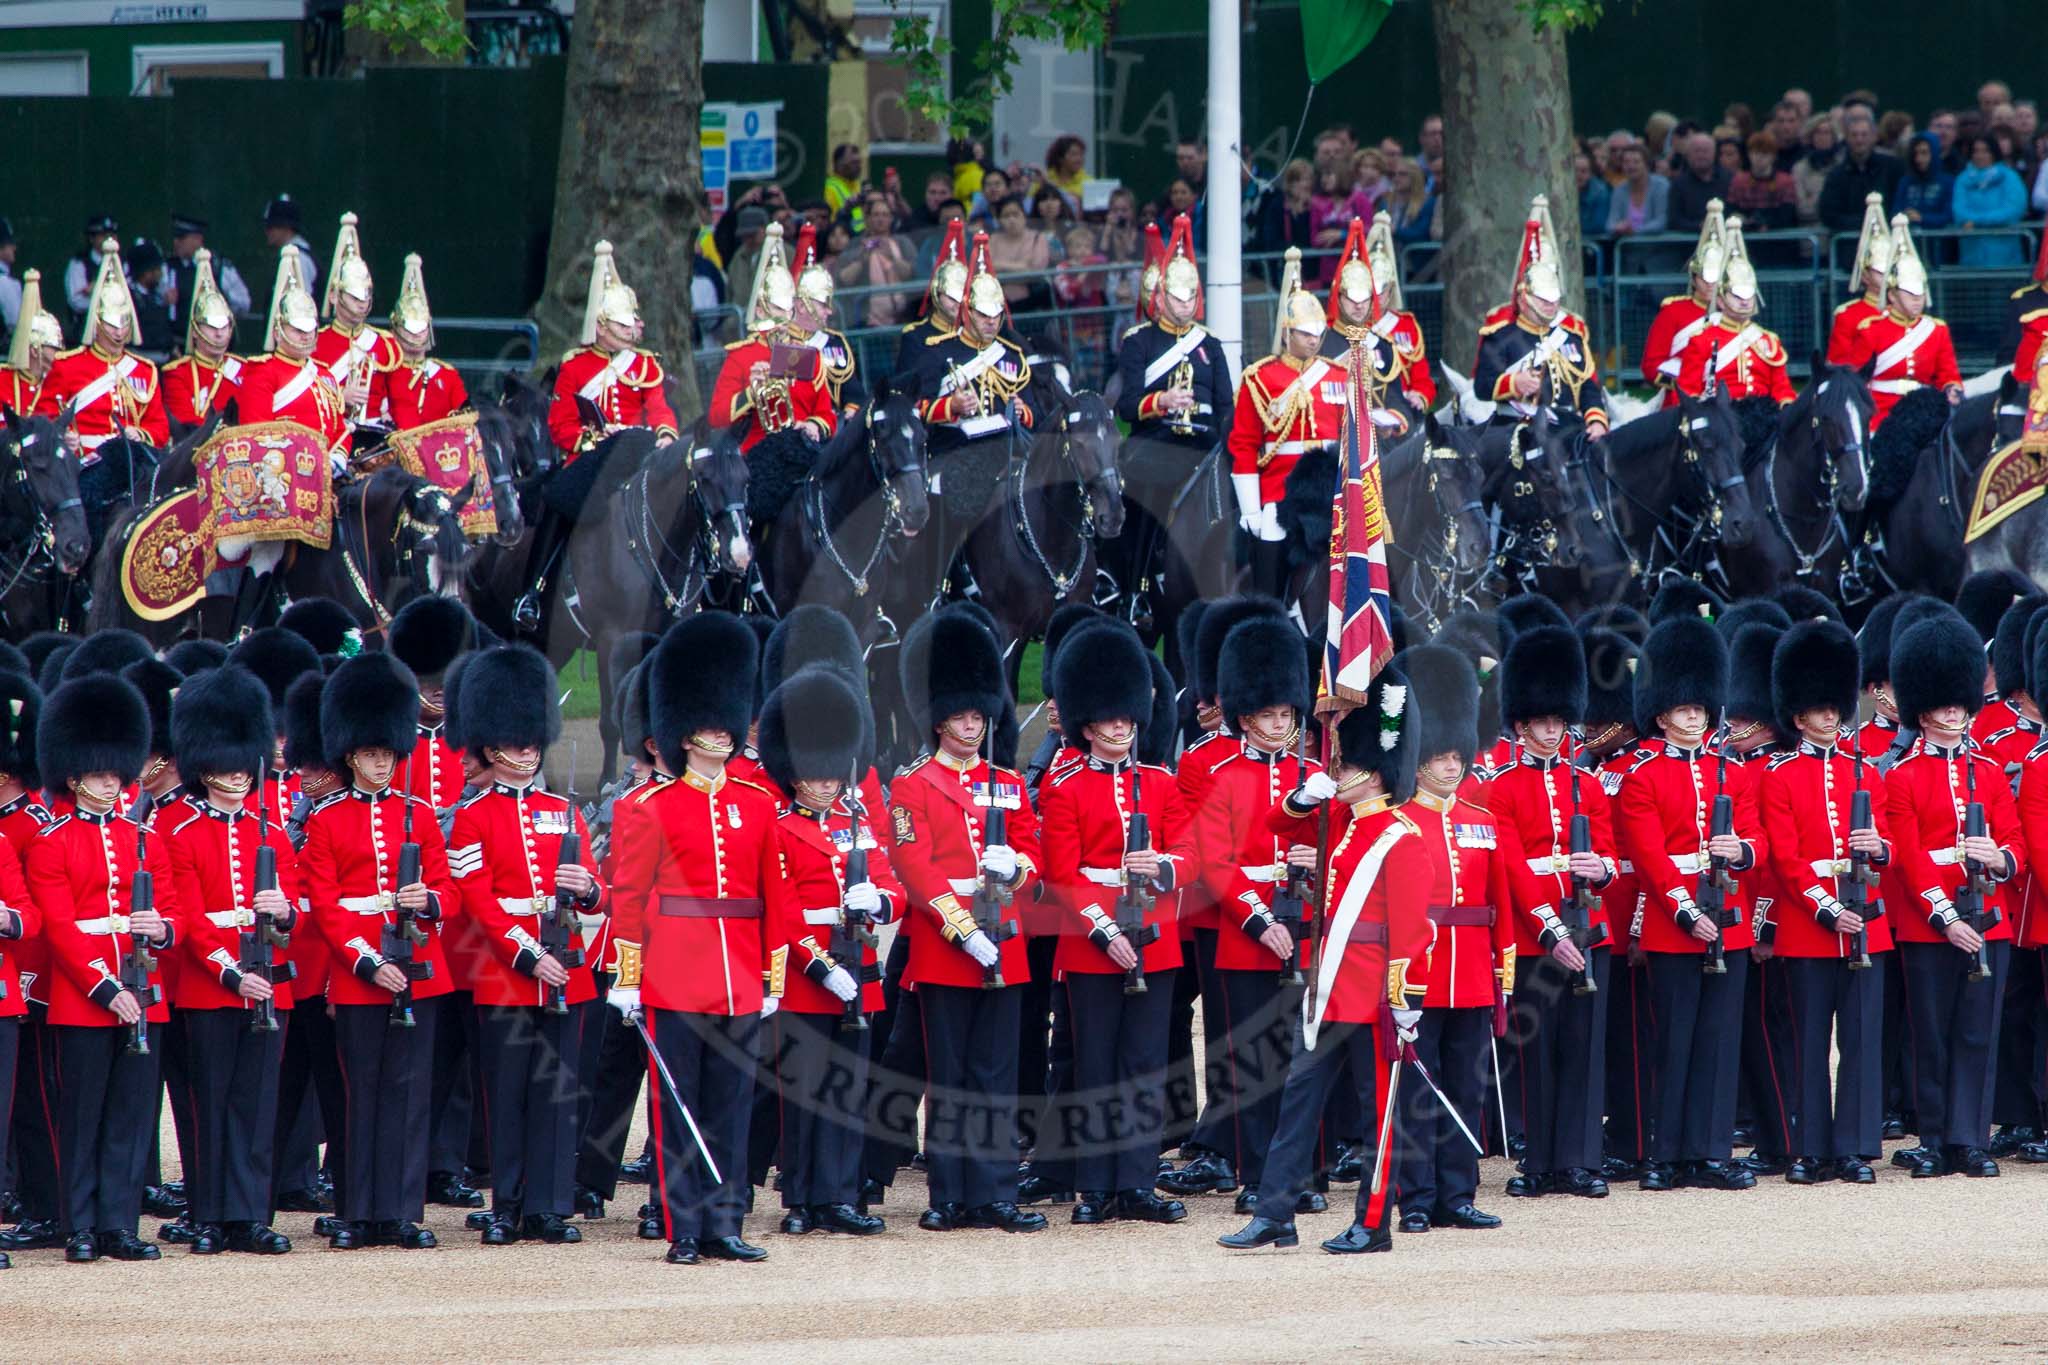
{"points": [[1269, 567], [549, 538]]}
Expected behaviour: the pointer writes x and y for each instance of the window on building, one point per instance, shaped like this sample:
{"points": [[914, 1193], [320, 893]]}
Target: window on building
{"points": [[42, 73], [156, 66], [891, 126]]}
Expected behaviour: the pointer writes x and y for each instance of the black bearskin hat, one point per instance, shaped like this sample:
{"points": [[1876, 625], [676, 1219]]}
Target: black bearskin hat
{"points": [[812, 634], [221, 724], [2009, 645], [814, 726], [1937, 661], [13, 660], [1221, 617], [1619, 617], [701, 677], [1101, 674], [1814, 665], [50, 672], [1802, 603], [321, 622], [370, 702], [1984, 596], [1526, 611], [1381, 736], [508, 699], [1264, 663], [1065, 618], [951, 664], [1443, 691], [40, 645], [1158, 734], [1874, 640], [1749, 673], [196, 656], [94, 724], [277, 657], [158, 683], [21, 705], [1751, 611], [1684, 661], [106, 651], [1544, 674], [1480, 638], [1187, 634], [630, 697], [764, 631], [300, 722], [1684, 597], [1612, 660], [427, 635], [452, 732]]}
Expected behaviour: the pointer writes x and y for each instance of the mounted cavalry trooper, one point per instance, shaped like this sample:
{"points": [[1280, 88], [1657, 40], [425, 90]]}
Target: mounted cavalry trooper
{"points": [[112, 393], [1357, 320], [204, 380], [356, 356], [1390, 333], [419, 389], [1747, 361], [970, 381], [287, 383], [941, 298], [1537, 336], [1911, 349], [1290, 403], [37, 338], [1682, 317], [1871, 269], [607, 373], [808, 317], [771, 382]]}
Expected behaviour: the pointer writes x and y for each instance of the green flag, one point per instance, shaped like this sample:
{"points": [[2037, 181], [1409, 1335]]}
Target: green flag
{"points": [[1335, 31]]}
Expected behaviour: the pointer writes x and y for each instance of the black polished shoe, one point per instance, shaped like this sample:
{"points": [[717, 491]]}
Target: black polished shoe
{"points": [[1807, 1171], [683, 1251], [179, 1232], [347, 1236], [1465, 1217], [413, 1237], [31, 1234], [796, 1222], [872, 1192], [1906, 1158], [1260, 1232], [1206, 1174], [446, 1188], [1579, 1181], [1004, 1216], [1743, 1136], [1359, 1239], [1415, 1221], [164, 1201], [1311, 1202], [500, 1230], [637, 1171], [327, 1225], [1855, 1172], [1927, 1164], [126, 1246], [303, 1201], [4, 1262], [1092, 1208], [1658, 1175], [258, 1239], [476, 1220], [1037, 1189], [847, 1219], [2032, 1153], [1247, 1201], [1618, 1168], [1758, 1163], [731, 1249], [1894, 1128], [1143, 1206], [589, 1205], [1719, 1175], [2014, 1136], [82, 1247], [1974, 1162], [1528, 1186], [552, 1229], [942, 1218], [207, 1240], [1350, 1166]]}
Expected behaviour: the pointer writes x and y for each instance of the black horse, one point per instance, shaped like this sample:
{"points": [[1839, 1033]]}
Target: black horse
{"points": [[1808, 468], [501, 437], [1198, 558], [43, 541], [1925, 460], [1533, 484], [1672, 485], [518, 424]]}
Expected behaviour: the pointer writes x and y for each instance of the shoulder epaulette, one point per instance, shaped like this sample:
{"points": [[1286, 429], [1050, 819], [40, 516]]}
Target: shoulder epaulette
{"points": [[1133, 330], [1845, 307], [1207, 737], [649, 790], [1489, 328], [2026, 288], [572, 353], [55, 824], [1642, 756], [41, 813], [942, 335], [1061, 774], [1155, 768], [324, 802], [192, 813], [752, 786], [1220, 762], [746, 340], [2026, 318], [1467, 801], [1778, 761], [1407, 820], [66, 355], [914, 764]]}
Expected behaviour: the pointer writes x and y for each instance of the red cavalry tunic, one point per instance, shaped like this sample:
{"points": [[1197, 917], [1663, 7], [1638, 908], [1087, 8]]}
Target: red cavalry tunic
{"points": [[1238, 857], [503, 849], [415, 395], [276, 388], [18, 392], [1848, 320], [940, 823], [1284, 408], [213, 860], [2030, 925], [21, 820], [1909, 355], [625, 388], [1680, 318], [1662, 821], [810, 397], [2026, 358], [1533, 798], [21, 926], [342, 353], [1084, 825], [1473, 860], [80, 871], [195, 390], [111, 393], [1806, 799], [698, 885], [1927, 792], [350, 869], [815, 846], [1750, 362]]}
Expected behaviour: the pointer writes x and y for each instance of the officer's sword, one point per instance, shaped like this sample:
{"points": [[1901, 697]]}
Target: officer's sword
{"points": [[1449, 1108], [1378, 1186], [1500, 1099], [669, 1082]]}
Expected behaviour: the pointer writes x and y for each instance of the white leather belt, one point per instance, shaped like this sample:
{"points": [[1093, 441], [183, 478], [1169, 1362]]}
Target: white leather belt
{"points": [[378, 904], [1830, 867], [1688, 863], [1944, 857], [105, 924], [1268, 873], [94, 442], [1895, 385], [589, 924], [231, 919], [828, 915], [518, 905], [964, 886], [1627, 866], [1104, 876], [1554, 864], [1297, 447]]}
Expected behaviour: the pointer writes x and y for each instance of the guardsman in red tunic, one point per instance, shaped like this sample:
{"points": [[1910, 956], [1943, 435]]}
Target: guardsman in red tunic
{"points": [[1939, 680], [2018, 1095], [1539, 243], [381, 974], [702, 909], [1477, 876], [1564, 1026], [608, 374], [286, 383], [1112, 1116], [92, 740], [758, 393], [24, 970], [1877, 736], [967, 967], [2009, 726], [1872, 267], [419, 389], [1825, 950], [1907, 348], [222, 734], [203, 381], [1664, 824], [356, 357], [112, 392], [34, 346], [505, 853], [2027, 358], [1682, 317], [1746, 360], [427, 635], [1287, 404], [811, 733], [1362, 1009]]}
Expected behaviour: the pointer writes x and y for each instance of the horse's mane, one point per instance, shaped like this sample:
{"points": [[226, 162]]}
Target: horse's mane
{"points": [[580, 487], [1895, 450], [1757, 419], [1652, 429]]}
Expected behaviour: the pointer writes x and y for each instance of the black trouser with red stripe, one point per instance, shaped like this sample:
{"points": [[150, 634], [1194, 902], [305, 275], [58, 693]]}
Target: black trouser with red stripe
{"points": [[34, 1094], [1344, 1054], [106, 1102], [174, 1068], [1262, 1030], [821, 1089], [529, 1106], [310, 1064], [711, 1058], [899, 1071], [1831, 1003], [387, 1075], [10, 1062], [232, 1080], [1771, 1058], [1564, 1061], [1955, 1038]]}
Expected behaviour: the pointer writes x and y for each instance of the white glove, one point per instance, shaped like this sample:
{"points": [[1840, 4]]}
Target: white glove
{"points": [[863, 896], [1407, 1024], [840, 982], [770, 1004], [1000, 862], [981, 948], [624, 999], [1245, 487], [1317, 788]]}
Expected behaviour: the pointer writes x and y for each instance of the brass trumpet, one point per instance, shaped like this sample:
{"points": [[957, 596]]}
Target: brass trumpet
{"points": [[1183, 377], [773, 408]]}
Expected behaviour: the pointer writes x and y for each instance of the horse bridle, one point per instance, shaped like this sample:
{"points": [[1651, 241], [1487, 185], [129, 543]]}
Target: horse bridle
{"points": [[38, 561], [1830, 487], [644, 541], [1509, 556], [818, 515], [1439, 559], [1020, 465]]}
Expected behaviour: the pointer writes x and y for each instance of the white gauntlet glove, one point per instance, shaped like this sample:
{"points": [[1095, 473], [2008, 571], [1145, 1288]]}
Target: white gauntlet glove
{"points": [[863, 897], [624, 999], [981, 948], [1407, 1023], [1317, 788], [1000, 862], [840, 982], [770, 1004]]}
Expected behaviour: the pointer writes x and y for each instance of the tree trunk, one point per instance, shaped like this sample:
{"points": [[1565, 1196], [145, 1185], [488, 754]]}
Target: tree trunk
{"points": [[1507, 136], [631, 173]]}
